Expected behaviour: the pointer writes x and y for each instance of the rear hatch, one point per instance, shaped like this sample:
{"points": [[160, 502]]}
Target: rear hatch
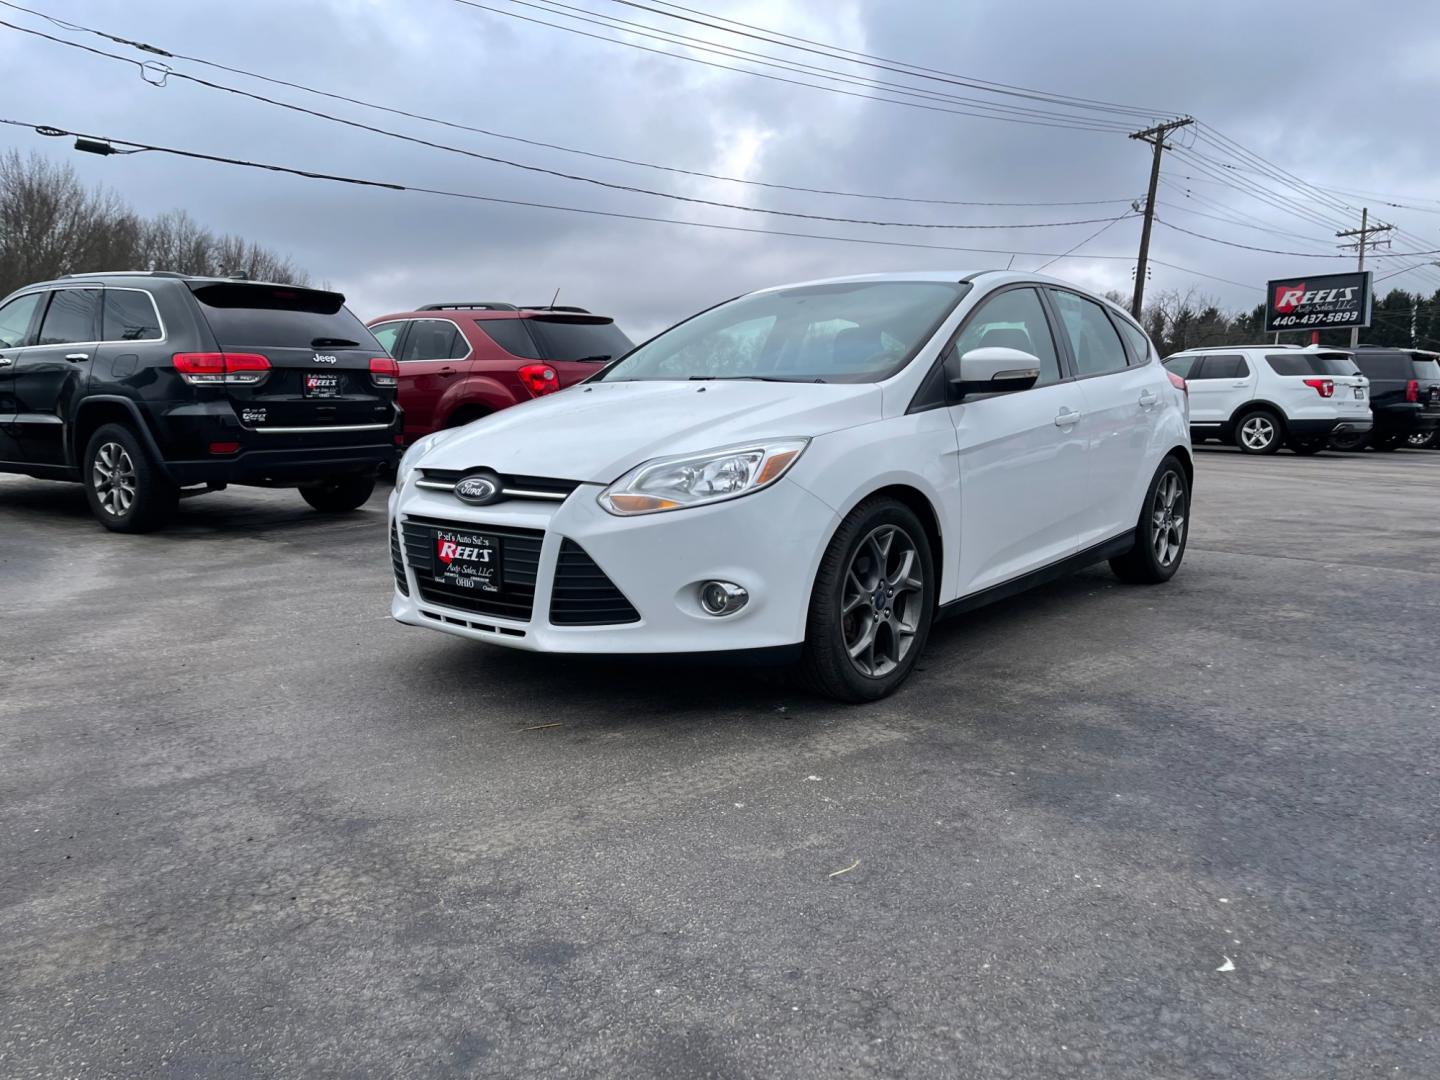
{"points": [[576, 346], [318, 356], [1316, 370]]}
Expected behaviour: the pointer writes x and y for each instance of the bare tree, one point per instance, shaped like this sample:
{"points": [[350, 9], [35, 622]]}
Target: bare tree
{"points": [[51, 224]]}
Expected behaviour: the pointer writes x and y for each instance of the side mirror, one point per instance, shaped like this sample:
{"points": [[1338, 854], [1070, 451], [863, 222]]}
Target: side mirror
{"points": [[991, 370]]}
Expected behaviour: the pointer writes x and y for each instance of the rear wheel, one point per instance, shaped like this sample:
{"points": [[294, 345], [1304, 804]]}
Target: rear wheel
{"points": [[338, 494], [1258, 432], [125, 489], [1422, 440], [872, 604], [1351, 441], [1162, 531]]}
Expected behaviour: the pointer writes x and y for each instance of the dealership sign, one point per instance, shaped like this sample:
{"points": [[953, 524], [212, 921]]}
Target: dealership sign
{"points": [[1318, 302]]}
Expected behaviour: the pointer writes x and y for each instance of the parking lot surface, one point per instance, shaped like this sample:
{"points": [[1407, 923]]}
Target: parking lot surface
{"points": [[253, 827]]}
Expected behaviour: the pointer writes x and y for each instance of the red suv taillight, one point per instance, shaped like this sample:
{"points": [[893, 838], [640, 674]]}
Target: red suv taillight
{"points": [[384, 371], [1323, 387], [539, 379], [217, 369], [1412, 390], [1179, 383]]}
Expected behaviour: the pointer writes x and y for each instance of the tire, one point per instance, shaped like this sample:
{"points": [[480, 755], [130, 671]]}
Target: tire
{"points": [[1421, 440], [1388, 443], [338, 494], [1306, 447], [126, 490], [1165, 514], [1351, 442], [1259, 431], [836, 661]]}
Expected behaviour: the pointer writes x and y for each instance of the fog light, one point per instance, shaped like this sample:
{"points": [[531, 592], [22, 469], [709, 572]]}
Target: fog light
{"points": [[722, 597]]}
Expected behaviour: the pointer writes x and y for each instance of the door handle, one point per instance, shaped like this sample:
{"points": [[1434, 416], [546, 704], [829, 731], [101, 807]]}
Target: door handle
{"points": [[76, 357], [1239, 383], [446, 372], [1148, 399], [1067, 417], [5, 361]]}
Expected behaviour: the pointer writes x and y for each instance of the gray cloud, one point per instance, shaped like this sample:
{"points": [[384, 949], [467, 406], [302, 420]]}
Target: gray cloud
{"points": [[1270, 78]]}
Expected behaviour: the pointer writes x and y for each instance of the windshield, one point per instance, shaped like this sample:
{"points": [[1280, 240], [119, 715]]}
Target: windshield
{"points": [[860, 331]]}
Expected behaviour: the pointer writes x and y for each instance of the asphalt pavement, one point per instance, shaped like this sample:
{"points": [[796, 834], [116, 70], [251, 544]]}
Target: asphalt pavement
{"points": [[250, 827]]}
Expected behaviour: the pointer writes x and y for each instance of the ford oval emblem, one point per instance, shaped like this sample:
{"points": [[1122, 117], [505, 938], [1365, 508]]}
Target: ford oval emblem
{"points": [[477, 490]]}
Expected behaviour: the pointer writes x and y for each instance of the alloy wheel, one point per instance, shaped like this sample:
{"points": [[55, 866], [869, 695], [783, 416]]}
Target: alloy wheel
{"points": [[1257, 432], [880, 601], [113, 474], [1168, 517], [1419, 440]]}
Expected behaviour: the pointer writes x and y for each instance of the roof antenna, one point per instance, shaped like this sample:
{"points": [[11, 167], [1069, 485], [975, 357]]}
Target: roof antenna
{"points": [[1010, 263], [554, 298]]}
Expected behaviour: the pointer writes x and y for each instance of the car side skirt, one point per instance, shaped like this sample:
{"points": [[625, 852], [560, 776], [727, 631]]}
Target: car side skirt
{"points": [[1109, 549]]}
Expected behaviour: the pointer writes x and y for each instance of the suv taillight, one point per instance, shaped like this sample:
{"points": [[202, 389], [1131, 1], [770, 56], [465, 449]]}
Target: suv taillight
{"points": [[1179, 383], [539, 379], [384, 371], [217, 369], [1323, 387], [1412, 390]]}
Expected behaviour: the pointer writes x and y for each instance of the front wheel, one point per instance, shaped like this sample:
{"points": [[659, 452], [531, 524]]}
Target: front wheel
{"points": [[1258, 432], [872, 604], [1162, 531], [338, 494], [125, 489]]}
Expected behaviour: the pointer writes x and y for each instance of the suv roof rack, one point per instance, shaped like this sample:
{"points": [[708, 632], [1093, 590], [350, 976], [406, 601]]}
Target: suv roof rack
{"points": [[469, 305], [127, 273]]}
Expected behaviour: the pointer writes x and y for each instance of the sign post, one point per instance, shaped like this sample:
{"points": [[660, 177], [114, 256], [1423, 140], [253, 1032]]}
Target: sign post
{"points": [[1318, 302]]}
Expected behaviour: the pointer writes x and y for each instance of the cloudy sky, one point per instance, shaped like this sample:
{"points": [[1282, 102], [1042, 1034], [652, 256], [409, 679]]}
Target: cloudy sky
{"points": [[1283, 81]]}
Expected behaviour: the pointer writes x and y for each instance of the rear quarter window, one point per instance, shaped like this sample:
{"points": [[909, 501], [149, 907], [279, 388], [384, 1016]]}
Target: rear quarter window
{"points": [[1426, 370], [1385, 365], [511, 335]]}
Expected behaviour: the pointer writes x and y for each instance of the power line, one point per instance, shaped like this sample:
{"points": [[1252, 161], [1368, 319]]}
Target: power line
{"points": [[55, 132], [577, 177], [456, 125], [1082, 243], [1094, 126], [885, 64], [1273, 251]]}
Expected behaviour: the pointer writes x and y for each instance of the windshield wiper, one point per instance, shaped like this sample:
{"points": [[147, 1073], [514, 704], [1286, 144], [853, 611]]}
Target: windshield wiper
{"points": [[333, 343], [749, 378], [592, 359]]}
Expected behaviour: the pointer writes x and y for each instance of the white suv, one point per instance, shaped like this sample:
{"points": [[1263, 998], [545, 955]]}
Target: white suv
{"points": [[818, 470], [1262, 396]]}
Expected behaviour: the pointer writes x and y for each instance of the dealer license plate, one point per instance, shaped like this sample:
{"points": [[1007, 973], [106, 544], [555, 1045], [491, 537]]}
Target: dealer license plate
{"points": [[467, 560], [322, 384]]}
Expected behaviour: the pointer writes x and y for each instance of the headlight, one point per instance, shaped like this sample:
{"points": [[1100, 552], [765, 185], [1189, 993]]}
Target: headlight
{"points": [[418, 449], [697, 479]]}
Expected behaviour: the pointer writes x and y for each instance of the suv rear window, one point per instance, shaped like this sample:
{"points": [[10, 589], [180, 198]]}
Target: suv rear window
{"points": [[1427, 370], [270, 316], [1311, 364], [577, 339]]}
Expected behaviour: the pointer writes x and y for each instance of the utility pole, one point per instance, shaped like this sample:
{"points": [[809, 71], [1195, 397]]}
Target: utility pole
{"points": [[1363, 241], [1155, 136]]}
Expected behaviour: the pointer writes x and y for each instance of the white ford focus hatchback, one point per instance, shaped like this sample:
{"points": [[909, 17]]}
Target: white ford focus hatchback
{"points": [[819, 469]]}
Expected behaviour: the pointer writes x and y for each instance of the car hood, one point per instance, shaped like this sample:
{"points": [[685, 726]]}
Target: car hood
{"points": [[597, 431]]}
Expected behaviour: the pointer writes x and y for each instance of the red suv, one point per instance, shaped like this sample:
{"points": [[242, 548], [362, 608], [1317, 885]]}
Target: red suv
{"points": [[459, 362]]}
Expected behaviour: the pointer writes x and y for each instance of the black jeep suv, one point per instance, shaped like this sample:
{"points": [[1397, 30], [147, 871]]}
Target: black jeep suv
{"points": [[147, 387], [1404, 397]]}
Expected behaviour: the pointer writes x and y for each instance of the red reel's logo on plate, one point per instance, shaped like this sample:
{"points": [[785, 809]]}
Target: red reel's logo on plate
{"points": [[448, 551]]}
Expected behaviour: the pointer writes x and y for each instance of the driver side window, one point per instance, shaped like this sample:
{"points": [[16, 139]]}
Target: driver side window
{"points": [[15, 318], [1014, 319]]}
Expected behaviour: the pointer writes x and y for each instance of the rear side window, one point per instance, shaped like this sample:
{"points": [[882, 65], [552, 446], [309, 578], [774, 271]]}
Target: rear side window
{"points": [[1426, 370], [434, 339], [15, 319], [1225, 366], [388, 334], [572, 339], [510, 335], [130, 316], [1307, 364], [269, 316], [1093, 338], [72, 317], [1182, 365]]}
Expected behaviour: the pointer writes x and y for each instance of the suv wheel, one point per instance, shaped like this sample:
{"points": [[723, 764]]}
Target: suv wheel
{"points": [[872, 604], [1162, 531], [1388, 442], [337, 494], [125, 489], [1258, 432], [1309, 446], [1421, 440], [1350, 442]]}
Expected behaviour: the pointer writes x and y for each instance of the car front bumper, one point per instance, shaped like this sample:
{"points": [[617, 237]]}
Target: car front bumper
{"points": [[769, 543]]}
